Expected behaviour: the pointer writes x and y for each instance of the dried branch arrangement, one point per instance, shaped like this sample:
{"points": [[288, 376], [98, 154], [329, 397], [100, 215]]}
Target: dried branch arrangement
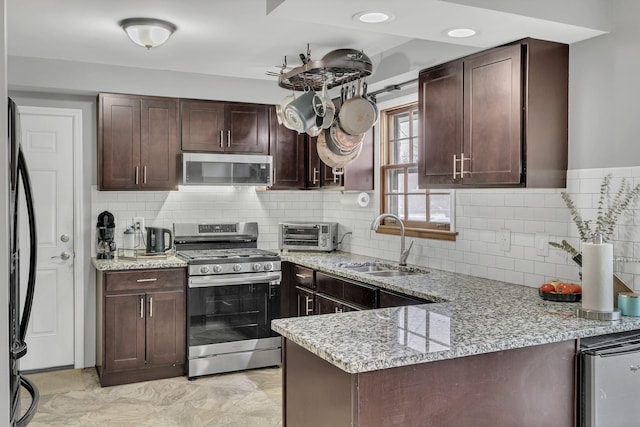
{"points": [[609, 210]]}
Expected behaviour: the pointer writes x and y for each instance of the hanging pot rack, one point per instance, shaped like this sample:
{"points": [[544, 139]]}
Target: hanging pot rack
{"points": [[332, 69]]}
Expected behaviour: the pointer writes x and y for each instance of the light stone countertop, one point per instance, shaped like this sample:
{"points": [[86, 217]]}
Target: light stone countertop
{"points": [[472, 316], [170, 261]]}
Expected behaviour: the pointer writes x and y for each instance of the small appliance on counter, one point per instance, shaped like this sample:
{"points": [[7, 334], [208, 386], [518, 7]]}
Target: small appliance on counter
{"points": [[106, 245], [308, 236], [159, 240]]}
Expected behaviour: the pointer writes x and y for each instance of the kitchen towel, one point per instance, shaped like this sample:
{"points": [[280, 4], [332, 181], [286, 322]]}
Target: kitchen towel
{"points": [[597, 276]]}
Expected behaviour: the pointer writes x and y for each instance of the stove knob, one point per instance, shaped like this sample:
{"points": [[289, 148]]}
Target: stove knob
{"points": [[268, 266], [204, 269], [257, 266], [217, 268], [237, 267]]}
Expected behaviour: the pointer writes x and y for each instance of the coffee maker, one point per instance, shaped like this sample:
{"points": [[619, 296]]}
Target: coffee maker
{"points": [[106, 245]]}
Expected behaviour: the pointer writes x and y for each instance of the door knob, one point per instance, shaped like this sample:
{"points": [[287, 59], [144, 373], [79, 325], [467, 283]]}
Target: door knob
{"points": [[64, 255], [64, 238]]}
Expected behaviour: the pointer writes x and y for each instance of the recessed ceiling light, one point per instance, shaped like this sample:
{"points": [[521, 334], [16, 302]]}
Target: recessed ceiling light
{"points": [[461, 32], [372, 17]]}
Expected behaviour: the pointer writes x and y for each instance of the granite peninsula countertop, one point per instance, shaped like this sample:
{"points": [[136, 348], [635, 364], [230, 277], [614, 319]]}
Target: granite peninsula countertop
{"points": [[170, 261], [471, 316]]}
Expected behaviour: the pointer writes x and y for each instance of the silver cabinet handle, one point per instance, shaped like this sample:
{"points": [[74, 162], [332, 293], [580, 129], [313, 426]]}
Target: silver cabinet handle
{"points": [[152, 279], [151, 307], [63, 255], [141, 307], [137, 175], [221, 138], [303, 276], [309, 308], [144, 175], [461, 160], [316, 172], [228, 138], [64, 238], [455, 160]]}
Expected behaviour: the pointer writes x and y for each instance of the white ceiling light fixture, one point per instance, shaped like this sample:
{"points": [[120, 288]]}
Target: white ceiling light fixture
{"points": [[372, 17], [148, 32], [461, 32]]}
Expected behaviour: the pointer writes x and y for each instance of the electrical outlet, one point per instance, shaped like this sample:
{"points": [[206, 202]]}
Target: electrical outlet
{"points": [[503, 238], [138, 223], [542, 244]]}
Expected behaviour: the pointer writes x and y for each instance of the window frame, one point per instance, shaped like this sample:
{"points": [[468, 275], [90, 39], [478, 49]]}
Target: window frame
{"points": [[426, 229]]}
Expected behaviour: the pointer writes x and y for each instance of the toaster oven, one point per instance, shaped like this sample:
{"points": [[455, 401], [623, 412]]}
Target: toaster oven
{"points": [[308, 236]]}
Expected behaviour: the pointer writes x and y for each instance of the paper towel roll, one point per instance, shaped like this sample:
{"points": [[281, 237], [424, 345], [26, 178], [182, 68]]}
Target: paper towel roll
{"points": [[597, 276], [361, 199]]}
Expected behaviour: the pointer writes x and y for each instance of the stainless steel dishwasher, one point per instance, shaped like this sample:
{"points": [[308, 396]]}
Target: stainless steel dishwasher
{"points": [[609, 368]]}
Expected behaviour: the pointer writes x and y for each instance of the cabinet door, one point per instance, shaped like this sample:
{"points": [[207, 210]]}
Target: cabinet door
{"points": [[118, 142], [440, 104], [305, 301], [124, 332], [203, 126], [358, 175], [166, 324], [493, 116], [247, 129], [288, 149], [327, 305], [158, 143]]}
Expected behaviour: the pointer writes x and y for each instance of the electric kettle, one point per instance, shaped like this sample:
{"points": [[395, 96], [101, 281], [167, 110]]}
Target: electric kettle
{"points": [[156, 240]]}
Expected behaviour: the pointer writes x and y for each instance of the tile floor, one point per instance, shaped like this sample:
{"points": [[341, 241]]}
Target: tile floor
{"points": [[243, 399]]}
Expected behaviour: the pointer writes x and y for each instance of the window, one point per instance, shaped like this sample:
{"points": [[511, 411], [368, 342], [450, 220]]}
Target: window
{"points": [[426, 213]]}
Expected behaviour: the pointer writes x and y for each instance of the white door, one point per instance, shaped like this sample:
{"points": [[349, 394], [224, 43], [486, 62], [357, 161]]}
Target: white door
{"points": [[47, 142]]}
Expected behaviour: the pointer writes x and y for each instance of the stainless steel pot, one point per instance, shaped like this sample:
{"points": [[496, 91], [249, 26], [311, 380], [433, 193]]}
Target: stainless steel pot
{"points": [[357, 114], [332, 159], [299, 112], [343, 142]]}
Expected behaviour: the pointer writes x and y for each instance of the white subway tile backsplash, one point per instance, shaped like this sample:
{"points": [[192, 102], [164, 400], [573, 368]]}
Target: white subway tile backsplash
{"points": [[480, 213]]}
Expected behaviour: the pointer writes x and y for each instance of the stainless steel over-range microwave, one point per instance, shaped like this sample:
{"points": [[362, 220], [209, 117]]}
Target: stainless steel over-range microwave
{"points": [[226, 169], [308, 236]]}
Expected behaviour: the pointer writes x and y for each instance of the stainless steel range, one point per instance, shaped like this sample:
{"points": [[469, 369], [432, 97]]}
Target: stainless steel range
{"points": [[233, 293]]}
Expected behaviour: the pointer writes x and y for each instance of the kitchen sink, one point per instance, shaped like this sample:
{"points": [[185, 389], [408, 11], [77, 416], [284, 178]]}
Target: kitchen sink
{"points": [[393, 273], [381, 269], [369, 268]]}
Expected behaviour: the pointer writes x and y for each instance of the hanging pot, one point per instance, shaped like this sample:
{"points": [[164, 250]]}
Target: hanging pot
{"points": [[332, 159], [299, 112], [343, 141], [357, 115], [280, 114]]}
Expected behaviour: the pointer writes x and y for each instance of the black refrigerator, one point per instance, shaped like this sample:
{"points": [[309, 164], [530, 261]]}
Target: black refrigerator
{"points": [[20, 186]]}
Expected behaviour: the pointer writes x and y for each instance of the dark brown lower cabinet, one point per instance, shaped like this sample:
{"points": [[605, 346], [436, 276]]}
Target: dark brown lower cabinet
{"points": [[305, 298], [326, 304], [531, 386], [141, 325]]}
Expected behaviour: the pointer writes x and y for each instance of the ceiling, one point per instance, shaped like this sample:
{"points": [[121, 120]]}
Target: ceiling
{"points": [[247, 38]]}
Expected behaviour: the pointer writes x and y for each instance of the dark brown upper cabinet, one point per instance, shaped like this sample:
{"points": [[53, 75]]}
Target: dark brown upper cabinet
{"points": [[223, 127], [498, 118], [137, 142], [288, 150]]}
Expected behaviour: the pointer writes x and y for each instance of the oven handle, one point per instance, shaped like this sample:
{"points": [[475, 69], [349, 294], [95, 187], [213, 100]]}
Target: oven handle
{"points": [[253, 278]]}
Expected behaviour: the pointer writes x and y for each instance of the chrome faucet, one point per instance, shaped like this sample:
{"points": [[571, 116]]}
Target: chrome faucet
{"points": [[403, 254]]}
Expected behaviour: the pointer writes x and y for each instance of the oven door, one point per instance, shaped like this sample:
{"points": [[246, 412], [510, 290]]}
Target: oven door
{"points": [[234, 307]]}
